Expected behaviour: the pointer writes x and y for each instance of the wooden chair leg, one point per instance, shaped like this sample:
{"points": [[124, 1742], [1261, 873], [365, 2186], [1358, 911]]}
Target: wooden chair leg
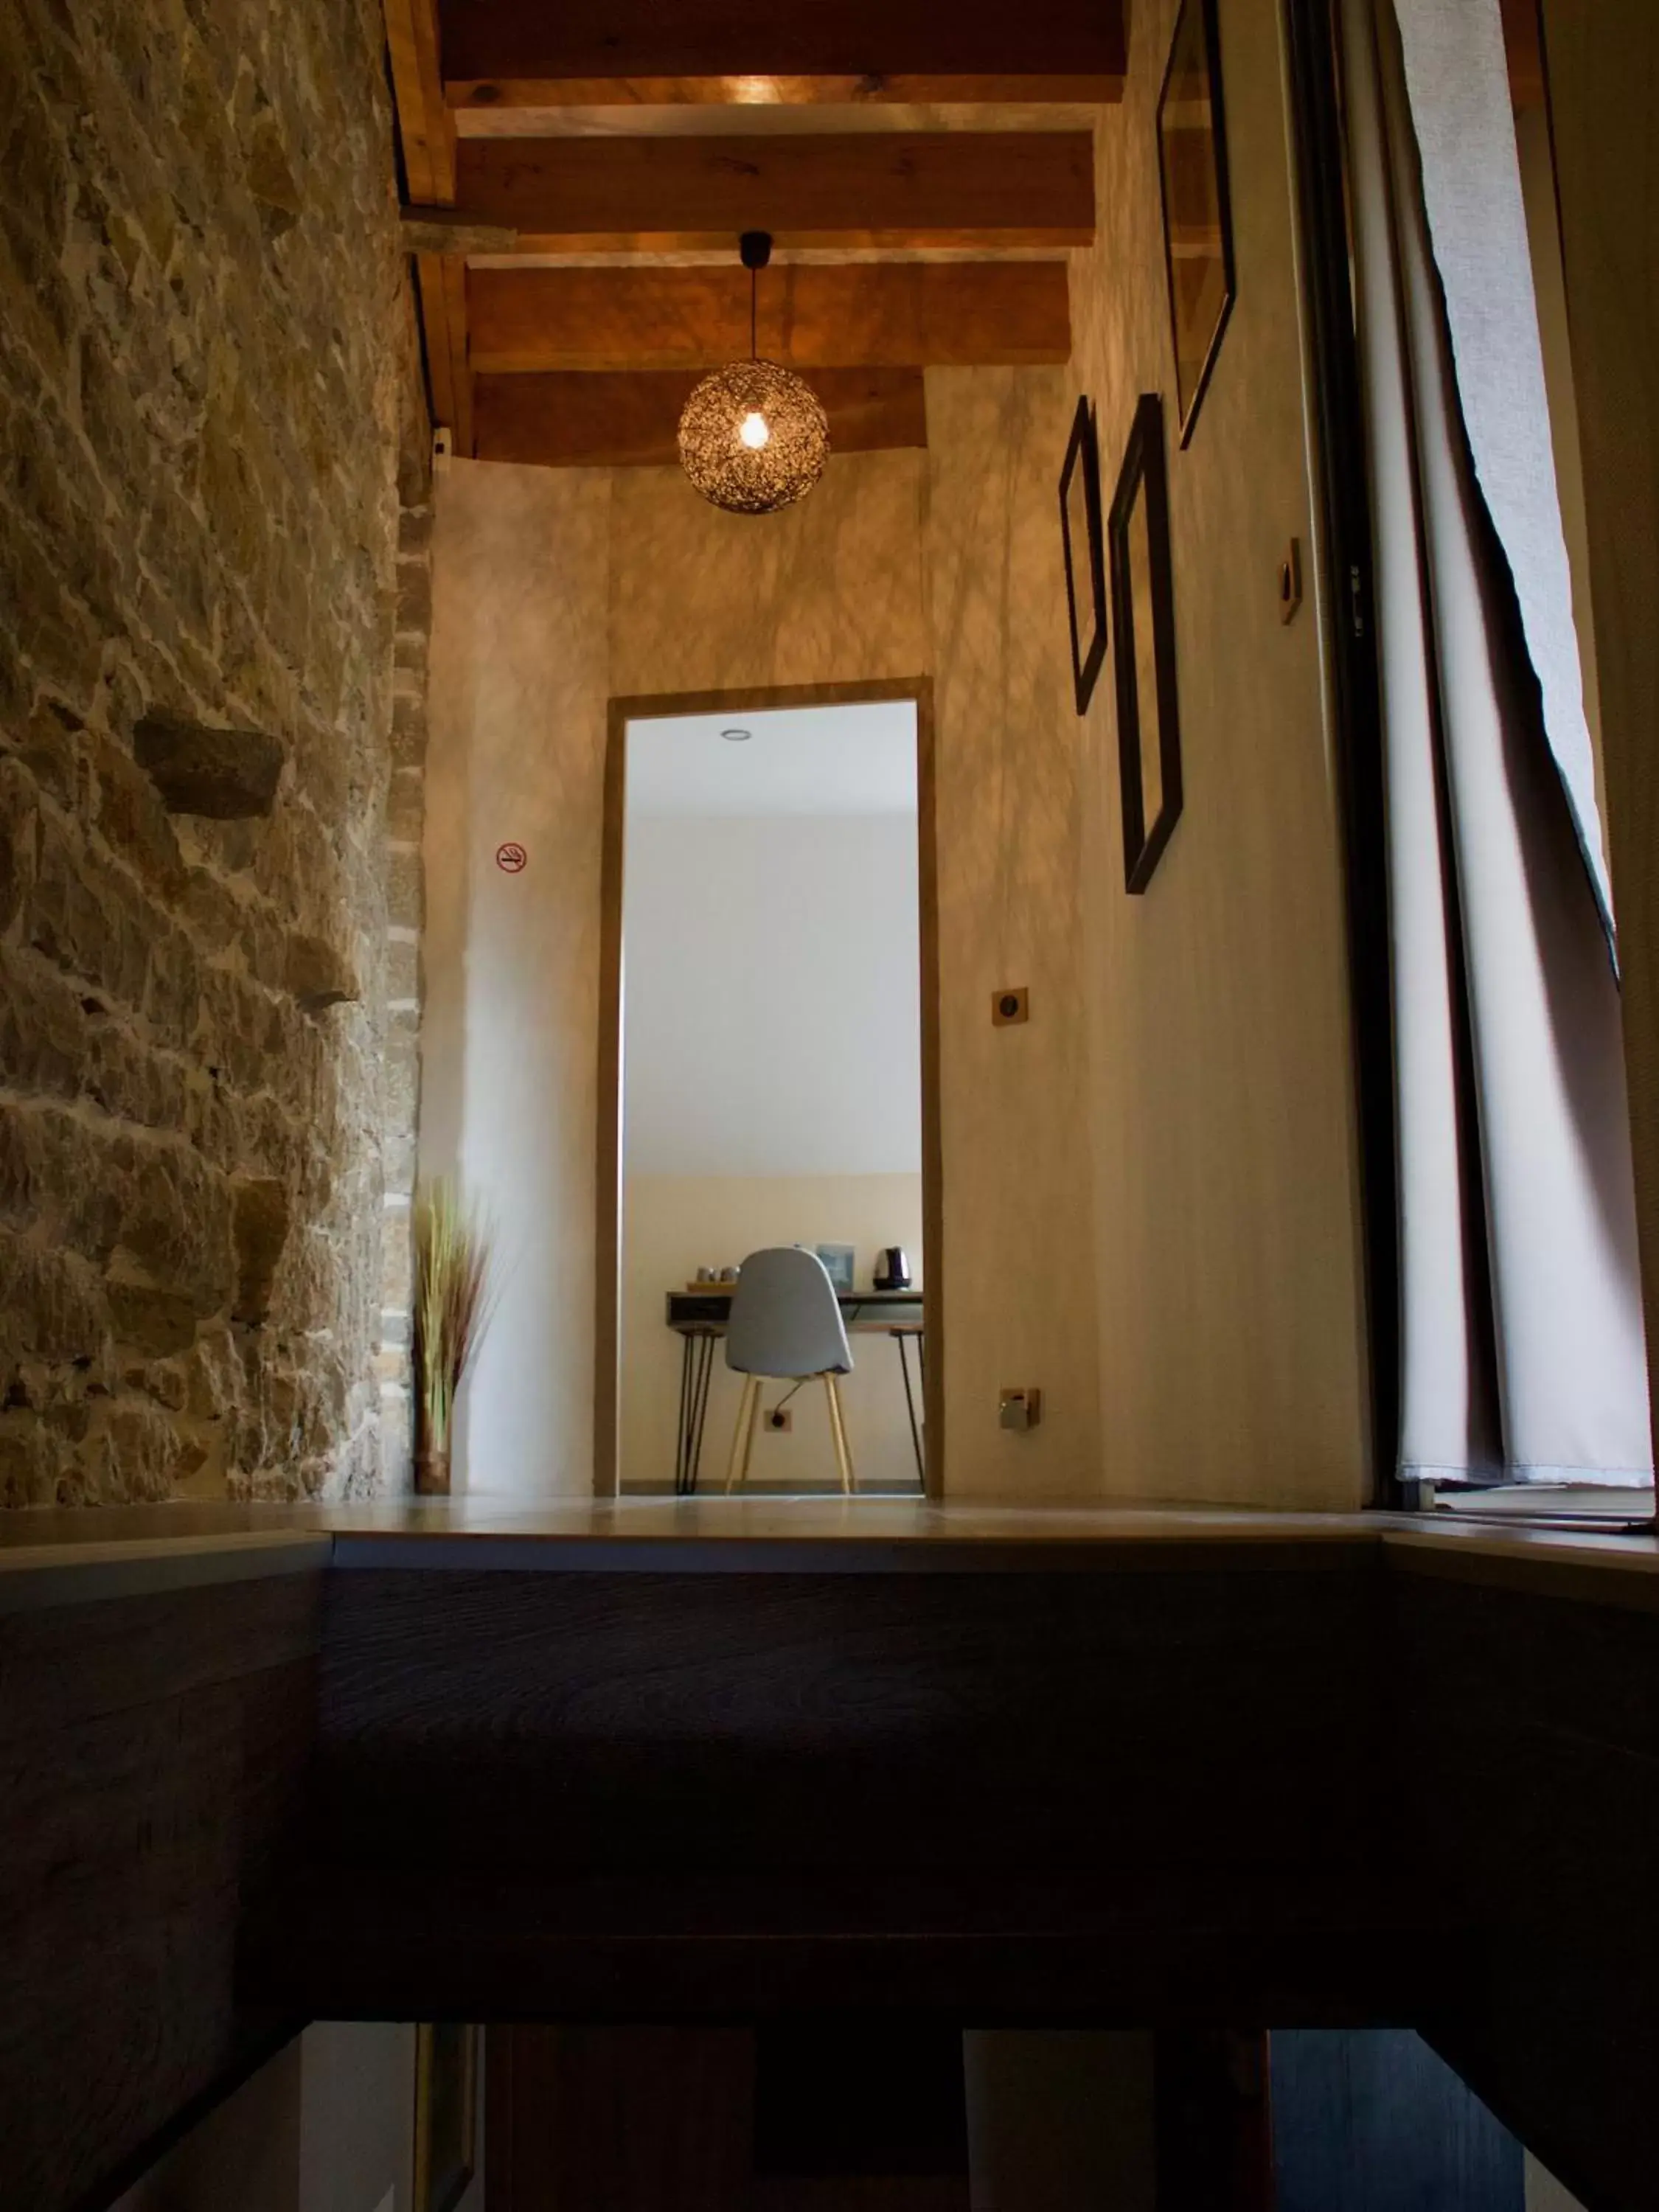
{"points": [[838, 1432], [737, 1467], [749, 1438]]}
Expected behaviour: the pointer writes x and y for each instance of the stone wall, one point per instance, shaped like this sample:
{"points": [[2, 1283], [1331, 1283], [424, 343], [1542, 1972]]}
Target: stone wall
{"points": [[203, 356]]}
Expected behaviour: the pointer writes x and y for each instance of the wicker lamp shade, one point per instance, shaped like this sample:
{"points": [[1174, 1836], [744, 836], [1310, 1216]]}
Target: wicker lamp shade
{"points": [[753, 437]]}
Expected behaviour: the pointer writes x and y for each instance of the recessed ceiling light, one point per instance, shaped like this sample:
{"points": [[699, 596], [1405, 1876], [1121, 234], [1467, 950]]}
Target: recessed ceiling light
{"points": [[736, 737]]}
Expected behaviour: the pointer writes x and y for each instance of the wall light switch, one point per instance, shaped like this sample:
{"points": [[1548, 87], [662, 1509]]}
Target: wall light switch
{"points": [[1021, 1408], [1008, 1007]]}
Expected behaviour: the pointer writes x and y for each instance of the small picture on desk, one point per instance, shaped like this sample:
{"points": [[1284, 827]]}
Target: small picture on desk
{"points": [[841, 1262]]}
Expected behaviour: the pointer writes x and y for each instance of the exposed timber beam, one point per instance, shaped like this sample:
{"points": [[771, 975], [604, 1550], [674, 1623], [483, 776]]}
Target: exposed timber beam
{"points": [[427, 131], [476, 97], [859, 315], [522, 53], [424, 123], [982, 190], [617, 420]]}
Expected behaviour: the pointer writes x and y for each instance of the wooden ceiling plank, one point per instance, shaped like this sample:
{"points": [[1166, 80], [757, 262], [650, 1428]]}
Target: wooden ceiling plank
{"points": [[982, 189], [631, 421], [480, 94], [866, 42], [424, 120], [876, 314]]}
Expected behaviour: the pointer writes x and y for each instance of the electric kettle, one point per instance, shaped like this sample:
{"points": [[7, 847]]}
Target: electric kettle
{"points": [[892, 1268]]}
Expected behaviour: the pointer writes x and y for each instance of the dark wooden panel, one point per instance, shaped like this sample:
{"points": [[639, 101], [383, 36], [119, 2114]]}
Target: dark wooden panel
{"points": [[990, 189], [152, 1765], [862, 41], [630, 2118], [1112, 1722], [1089, 1950], [618, 420], [1533, 1729], [854, 315]]}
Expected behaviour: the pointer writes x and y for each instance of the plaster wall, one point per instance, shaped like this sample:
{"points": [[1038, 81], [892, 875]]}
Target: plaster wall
{"points": [[1019, 1249], [772, 1018], [1220, 1099], [508, 1049]]}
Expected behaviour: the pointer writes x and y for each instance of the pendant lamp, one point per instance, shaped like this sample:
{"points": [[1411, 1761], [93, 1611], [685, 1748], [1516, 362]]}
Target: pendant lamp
{"points": [[753, 436]]}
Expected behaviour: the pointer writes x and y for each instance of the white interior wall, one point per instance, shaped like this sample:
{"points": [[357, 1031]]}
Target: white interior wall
{"points": [[772, 1002]]}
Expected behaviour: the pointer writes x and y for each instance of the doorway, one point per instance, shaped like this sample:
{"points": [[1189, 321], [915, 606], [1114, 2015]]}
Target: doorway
{"points": [[768, 1077]]}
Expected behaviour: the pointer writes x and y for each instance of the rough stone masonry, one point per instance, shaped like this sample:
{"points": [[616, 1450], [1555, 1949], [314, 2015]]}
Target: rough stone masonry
{"points": [[205, 355]]}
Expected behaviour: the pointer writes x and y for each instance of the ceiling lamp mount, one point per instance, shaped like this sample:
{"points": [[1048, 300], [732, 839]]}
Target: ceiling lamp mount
{"points": [[753, 435]]}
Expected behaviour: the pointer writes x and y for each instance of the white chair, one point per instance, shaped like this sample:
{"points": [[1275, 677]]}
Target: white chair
{"points": [[785, 1325]]}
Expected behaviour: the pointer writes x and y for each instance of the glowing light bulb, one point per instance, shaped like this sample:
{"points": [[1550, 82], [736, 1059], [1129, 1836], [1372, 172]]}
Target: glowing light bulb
{"points": [[753, 431]]}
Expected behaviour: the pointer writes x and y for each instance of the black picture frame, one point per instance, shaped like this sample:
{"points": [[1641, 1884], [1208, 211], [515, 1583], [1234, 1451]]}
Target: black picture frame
{"points": [[1199, 273], [1143, 623], [1080, 512]]}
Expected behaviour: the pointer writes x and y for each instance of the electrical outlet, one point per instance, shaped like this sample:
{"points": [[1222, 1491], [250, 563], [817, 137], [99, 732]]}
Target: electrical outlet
{"points": [[780, 1420], [1019, 1408]]}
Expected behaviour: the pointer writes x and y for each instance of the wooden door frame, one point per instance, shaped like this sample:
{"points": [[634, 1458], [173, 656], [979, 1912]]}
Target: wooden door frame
{"points": [[757, 699]]}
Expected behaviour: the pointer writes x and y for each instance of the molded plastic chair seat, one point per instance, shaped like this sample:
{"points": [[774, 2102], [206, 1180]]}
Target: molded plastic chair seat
{"points": [[786, 1324]]}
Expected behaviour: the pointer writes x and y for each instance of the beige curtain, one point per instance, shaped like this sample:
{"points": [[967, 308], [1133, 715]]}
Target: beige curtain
{"points": [[1522, 1339]]}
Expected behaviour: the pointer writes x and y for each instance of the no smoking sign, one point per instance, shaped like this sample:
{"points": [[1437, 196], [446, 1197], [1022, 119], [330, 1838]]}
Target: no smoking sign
{"points": [[510, 859]]}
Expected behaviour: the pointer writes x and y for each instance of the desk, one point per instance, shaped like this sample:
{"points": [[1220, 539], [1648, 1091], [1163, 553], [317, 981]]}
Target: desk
{"points": [[699, 1319]]}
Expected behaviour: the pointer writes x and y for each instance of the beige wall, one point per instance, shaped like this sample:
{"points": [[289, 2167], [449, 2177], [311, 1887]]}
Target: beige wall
{"points": [[828, 592], [1604, 86], [675, 1224], [1019, 1254], [1231, 1333], [509, 1057]]}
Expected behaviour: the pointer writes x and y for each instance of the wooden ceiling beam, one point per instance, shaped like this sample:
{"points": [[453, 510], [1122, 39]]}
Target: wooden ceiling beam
{"points": [[982, 189], [481, 95], [610, 420], [426, 129], [424, 123], [868, 314], [497, 52]]}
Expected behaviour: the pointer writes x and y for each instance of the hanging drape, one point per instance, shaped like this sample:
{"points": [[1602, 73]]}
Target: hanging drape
{"points": [[1523, 1350]]}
